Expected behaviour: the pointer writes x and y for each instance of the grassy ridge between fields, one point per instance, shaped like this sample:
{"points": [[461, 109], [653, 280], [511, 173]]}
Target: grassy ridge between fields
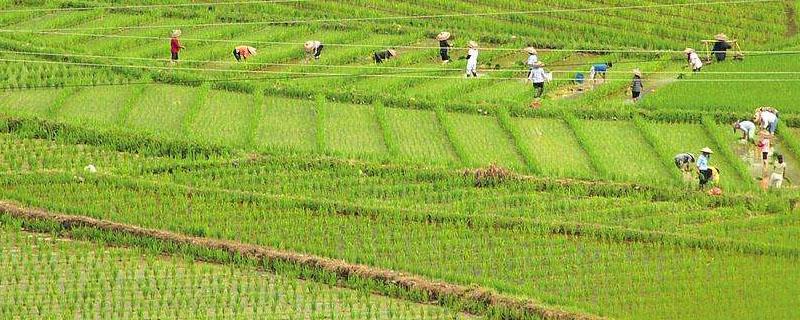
{"points": [[468, 299]]}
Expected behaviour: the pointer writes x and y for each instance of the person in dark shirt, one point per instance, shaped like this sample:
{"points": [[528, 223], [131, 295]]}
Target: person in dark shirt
{"points": [[721, 47], [636, 86], [383, 55], [444, 46]]}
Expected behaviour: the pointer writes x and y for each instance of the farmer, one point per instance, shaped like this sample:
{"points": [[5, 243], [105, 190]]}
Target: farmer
{"points": [[538, 77], [768, 119], [721, 47], [636, 86], [175, 45], [243, 52], [765, 146], [599, 70], [444, 46], [533, 58], [778, 173], [748, 129], [684, 162], [694, 60], [472, 60], [705, 172], [383, 55], [314, 48]]}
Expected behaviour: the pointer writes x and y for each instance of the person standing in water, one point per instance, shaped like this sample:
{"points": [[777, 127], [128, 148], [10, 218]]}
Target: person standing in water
{"points": [[472, 60]]}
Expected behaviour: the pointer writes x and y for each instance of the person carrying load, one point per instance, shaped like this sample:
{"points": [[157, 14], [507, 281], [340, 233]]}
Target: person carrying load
{"points": [[694, 59], [748, 129], [243, 52], [175, 46], [705, 174], [444, 46], [684, 162], [472, 59], [314, 48], [599, 70], [721, 46]]}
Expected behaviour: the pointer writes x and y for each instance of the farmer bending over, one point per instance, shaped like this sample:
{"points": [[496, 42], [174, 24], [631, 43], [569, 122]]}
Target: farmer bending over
{"points": [[243, 52]]}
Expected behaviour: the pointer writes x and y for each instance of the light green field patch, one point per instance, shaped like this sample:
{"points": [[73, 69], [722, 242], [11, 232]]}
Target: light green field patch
{"points": [[352, 129], [223, 118], [29, 102], [623, 151], [484, 141], [554, 147], [286, 124], [682, 137], [98, 106], [419, 136], [161, 109]]}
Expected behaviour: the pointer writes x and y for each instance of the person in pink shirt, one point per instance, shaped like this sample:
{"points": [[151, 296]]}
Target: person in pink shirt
{"points": [[175, 46], [765, 145]]}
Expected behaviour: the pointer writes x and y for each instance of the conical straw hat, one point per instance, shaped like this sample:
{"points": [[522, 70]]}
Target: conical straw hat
{"points": [[252, 50], [392, 53], [688, 50], [309, 45], [472, 44], [444, 35], [176, 33], [706, 150], [721, 37], [530, 50], [637, 72]]}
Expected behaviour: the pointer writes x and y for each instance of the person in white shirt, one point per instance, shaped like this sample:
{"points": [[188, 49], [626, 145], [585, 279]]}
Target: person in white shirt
{"points": [[703, 167], [538, 77], [472, 60], [778, 173], [768, 120], [313, 48], [694, 60], [748, 129], [533, 58]]}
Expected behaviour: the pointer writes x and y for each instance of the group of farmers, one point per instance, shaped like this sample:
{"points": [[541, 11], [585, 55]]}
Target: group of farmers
{"points": [[759, 132]]}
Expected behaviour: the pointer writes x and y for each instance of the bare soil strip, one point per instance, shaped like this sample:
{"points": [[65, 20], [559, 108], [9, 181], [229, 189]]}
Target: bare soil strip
{"points": [[791, 19], [436, 291]]}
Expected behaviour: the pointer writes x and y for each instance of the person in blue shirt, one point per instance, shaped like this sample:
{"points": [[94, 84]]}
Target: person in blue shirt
{"points": [[705, 172], [599, 71]]}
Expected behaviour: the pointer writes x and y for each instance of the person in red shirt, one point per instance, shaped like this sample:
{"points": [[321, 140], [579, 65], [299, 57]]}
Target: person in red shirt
{"points": [[175, 46]]}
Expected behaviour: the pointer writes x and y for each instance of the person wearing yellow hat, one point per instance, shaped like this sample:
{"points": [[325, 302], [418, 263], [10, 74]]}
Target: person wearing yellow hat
{"points": [[314, 48], [444, 46], [175, 45], [472, 59], [380, 56], [694, 60], [703, 168], [721, 46], [243, 52]]}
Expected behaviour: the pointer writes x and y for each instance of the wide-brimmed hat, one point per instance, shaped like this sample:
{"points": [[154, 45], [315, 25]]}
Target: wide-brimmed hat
{"points": [[309, 45], [530, 50], [392, 53], [637, 72], [444, 35], [688, 50], [706, 150], [472, 44], [721, 37], [252, 50], [176, 33]]}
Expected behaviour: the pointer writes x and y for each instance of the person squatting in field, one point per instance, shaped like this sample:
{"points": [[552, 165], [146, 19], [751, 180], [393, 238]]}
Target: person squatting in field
{"points": [[175, 46], [444, 46], [243, 52], [694, 59], [314, 48], [684, 162], [537, 77], [379, 57], [703, 168], [472, 59]]}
